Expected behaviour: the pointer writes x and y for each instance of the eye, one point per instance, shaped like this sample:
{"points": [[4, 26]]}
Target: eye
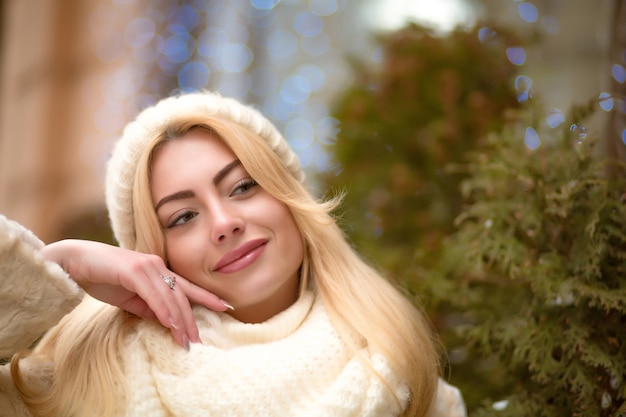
{"points": [[243, 186], [181, 219]]}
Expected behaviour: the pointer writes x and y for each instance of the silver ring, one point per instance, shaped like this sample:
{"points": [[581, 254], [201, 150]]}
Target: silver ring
{"points": [[169, 280]]}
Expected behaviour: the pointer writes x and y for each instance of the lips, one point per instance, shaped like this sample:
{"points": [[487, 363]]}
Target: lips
{"points": [[241, 257]]}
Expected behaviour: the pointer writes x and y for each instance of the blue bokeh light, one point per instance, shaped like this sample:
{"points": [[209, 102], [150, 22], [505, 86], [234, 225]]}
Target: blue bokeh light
{"points": [[528, 12], [314, 76], [619, 73], [523, 86], [234, 85], [264, 4], [308, 24], [299, 133], [273, 53], [210, 39], [516, 55], [193, 76], [580, 131], [282, 44], [531, 138], [323, 7], [277, 109], [234, 57], [178, 47], [606, 101], [295, 89], [486, 33], [184, 20], [555, 118]]}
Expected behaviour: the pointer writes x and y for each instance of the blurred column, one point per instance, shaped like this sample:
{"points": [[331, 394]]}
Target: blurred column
{"points": [[54, 126]]}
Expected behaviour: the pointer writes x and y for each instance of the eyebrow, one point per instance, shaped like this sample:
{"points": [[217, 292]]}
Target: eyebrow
{"points": [[181, 195], [225, 171]]}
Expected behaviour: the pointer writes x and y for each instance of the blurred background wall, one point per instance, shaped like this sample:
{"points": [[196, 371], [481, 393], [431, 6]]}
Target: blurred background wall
{"points": [[74, 72]]}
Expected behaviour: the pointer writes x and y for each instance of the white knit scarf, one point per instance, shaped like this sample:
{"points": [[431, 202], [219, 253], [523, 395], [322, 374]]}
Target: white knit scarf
{"points": [[294, 364]]}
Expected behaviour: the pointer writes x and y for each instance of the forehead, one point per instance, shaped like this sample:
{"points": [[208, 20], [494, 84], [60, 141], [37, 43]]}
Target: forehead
{"points": [[197, 139], [198, 153]]}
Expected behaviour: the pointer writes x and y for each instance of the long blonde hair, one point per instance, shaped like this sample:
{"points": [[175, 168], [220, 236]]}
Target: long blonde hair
{"points": [[358, 299]]}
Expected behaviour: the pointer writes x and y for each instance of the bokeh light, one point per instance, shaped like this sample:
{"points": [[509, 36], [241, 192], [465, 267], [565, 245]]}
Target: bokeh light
{"points": [[264, 4], [531, 138], [523, 86], [308, 24], [555, 118], [193, 76], [580, 132], [485, 34], [275, 55], [516, 55], [299, 133], [606, 101], [528, 12], [619, 73], [323, 7], [282, 44], [295, 89]]}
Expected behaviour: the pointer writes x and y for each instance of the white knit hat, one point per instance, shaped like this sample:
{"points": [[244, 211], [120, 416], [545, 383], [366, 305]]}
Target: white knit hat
{"points": [[151, 122]]}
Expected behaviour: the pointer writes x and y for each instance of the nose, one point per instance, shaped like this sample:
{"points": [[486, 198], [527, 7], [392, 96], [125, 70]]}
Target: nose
{"points": [[225, 223]]}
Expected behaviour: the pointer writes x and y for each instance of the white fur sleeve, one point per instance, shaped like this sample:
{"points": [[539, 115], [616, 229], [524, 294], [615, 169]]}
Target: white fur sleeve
{"points": [[448, 402], [34, 293]]}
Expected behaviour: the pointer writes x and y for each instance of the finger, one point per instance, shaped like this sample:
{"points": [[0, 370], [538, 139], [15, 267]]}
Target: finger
{"points": [[185, 310], [138, 307], [162, 301], [199, 295]]}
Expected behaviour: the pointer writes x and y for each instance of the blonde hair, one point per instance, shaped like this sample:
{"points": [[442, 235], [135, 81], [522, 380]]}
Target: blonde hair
{"points": [[358, 299]]}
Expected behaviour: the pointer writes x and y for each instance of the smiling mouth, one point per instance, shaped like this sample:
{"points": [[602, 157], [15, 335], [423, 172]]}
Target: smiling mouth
{"points": [[241, 258]]}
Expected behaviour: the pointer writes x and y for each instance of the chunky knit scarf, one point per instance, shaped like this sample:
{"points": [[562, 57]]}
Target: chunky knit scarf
{"points": [[292, 365]]}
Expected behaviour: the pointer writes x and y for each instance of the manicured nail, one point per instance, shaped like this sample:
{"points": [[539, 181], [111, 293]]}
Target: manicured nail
{"points": [[172, 324], [228, 306], [186, 342]]}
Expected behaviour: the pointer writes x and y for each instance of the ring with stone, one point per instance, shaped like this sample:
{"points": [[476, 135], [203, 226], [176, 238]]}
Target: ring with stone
{"points": [[169, 280]]}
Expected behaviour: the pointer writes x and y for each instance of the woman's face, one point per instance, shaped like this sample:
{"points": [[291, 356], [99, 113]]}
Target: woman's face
{"points": [[224, 232]]}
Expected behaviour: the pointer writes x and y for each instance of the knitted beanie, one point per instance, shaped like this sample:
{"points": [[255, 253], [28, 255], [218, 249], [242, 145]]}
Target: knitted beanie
{"points": [[151, 122]]}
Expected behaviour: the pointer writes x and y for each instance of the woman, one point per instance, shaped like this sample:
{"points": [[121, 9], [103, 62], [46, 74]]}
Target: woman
{"points": [[223, 250]]}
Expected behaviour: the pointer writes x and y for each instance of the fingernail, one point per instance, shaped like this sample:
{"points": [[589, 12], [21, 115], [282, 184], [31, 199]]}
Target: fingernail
{"points": [[186, 342], [228, 305], [172, 324]]}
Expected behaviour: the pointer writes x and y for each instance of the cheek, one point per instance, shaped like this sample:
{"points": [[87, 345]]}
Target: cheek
{"points": [[179, 256], [292, 239]]}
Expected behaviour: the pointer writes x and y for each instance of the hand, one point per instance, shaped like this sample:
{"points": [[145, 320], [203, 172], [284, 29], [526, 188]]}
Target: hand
{"points": [[133, 281]]}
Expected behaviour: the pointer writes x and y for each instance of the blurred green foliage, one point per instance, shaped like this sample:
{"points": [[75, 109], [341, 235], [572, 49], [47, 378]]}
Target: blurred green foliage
{"points": [[517, 255], [537, 265], [433, 99]]}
